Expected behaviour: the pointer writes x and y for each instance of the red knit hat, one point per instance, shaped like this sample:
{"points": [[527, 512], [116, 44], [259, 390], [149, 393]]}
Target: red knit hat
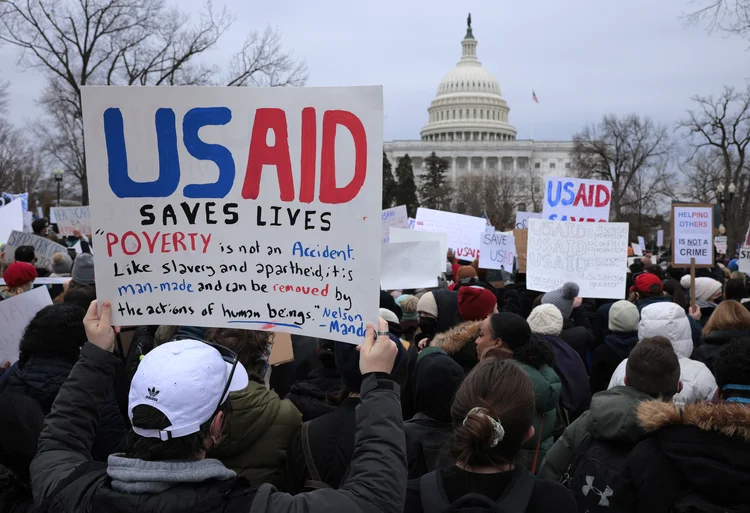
{"points": [[18, 274], [475, 303], [647, 282]]}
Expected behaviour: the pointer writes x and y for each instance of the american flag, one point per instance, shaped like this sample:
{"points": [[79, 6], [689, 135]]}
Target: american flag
{"points": [[533, 96]]}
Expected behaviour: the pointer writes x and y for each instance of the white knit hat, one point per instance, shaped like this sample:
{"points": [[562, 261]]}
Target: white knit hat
{"points": [[388, 316], [546, 320], [427, 304], [705, 288]]}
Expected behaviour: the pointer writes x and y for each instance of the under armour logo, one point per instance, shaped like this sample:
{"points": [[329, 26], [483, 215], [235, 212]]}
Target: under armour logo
{"points": [[152, 393], [603, 495]]}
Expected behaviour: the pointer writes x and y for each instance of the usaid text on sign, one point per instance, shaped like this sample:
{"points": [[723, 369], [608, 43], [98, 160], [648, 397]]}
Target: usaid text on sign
{"points": [[255, 208], [576, 199]]}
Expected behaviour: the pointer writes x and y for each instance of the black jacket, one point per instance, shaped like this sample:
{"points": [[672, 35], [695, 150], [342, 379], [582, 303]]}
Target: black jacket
{"points": [[546, 498], [15, 495], [704, 449], [378, 482], [42, 377], [310, 395], [331, 443], [427, 445], [607, 356], [712, 344], [579, 338]]}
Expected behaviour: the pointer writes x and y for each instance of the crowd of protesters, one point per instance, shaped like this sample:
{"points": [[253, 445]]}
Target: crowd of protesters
{"points": [[479, 396]]}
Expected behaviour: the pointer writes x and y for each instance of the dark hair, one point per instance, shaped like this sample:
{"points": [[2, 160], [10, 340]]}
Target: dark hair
{"points": [[735, 289], [22, 419], [732, 366], [675, 273], [326, 356], [38, 225], [79, 295], [154, 449], [653, 368], [655, 269], [249, 345], [56, 331], [536, 353], [504, 390], [677, 293], [24, 254]]}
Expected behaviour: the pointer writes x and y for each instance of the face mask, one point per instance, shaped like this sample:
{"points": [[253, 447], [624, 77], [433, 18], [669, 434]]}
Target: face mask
{"points": [[427, 325]]}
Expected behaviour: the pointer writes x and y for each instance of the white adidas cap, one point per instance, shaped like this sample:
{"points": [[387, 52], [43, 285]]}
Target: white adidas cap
{"points": [[184, 380]]}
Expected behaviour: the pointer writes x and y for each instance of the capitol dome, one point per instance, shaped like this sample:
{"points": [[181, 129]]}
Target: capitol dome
{"points": [[469, 105]]}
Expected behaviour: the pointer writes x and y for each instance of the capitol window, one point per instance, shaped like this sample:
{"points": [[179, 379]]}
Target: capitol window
{"points": [[552, 165], [537, 165], [567, 165]]}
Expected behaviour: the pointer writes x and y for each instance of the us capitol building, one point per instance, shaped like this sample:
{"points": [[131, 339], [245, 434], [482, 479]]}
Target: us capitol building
{"points": [[468, 126]]}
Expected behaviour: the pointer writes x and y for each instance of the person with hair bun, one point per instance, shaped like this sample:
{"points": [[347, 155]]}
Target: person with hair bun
{"points": [[508, 336], [492, 416]]}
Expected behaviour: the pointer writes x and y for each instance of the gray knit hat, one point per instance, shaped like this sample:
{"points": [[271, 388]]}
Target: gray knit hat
{"points": [[83, 269], [623, 317], [61, 263], [562, 298]]}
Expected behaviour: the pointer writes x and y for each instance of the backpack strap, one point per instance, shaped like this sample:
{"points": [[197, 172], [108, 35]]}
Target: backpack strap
{"points": [[315, 482], [538, 444], [430, 493], [519, 492]]}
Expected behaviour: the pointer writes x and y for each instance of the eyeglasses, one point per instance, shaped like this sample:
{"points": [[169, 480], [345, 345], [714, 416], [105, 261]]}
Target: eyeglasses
{"points": [[228, 356]]}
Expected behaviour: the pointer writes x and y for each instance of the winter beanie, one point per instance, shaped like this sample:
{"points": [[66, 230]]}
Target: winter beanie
{"points": [[408, 305], [389, 302], [465, 271], [19, 274], [388, 316], [427, 304], [83, 269], [546, 320], [562, 298], [475, 303], [61, 263], [511, 328], [705, 288], [734, 265], [623, 317]]}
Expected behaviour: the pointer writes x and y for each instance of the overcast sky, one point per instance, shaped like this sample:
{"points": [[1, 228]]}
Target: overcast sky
{"points": [[584, 58]]}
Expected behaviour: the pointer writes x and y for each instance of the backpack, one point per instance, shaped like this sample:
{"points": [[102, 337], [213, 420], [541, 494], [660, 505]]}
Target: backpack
{"points": [[515, 498], [693, 502], [595, 477], [316, 482]]}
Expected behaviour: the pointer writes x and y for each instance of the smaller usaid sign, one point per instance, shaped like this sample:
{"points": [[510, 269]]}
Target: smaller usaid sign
{"points": [[576, 199]]}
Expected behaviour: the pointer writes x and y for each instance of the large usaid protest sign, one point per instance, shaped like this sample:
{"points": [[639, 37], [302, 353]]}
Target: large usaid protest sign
{"points": [[70, 219], [463, 231], [692, 234], [237, 207], [576, 199], [594, 255]]}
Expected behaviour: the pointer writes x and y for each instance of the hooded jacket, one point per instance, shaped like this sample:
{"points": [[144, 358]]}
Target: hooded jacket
{"points": [[579, 338], [428, 434], [701, 448], [547, 388], [669, 320], [459, 343], [258, 434], [447, 305], [377, 483], [712, 344], [310, 395], [575, 391], [612, 417], [607, 356]]}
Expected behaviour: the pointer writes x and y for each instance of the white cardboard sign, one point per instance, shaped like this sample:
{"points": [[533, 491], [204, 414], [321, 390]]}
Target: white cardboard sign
{"points": [[237, 207], [11, 218], [720, 242], [70, 219], [642, 243], [522, 219], [692, 235], [637, 250], [15, 314], [660, 238], [744, 260], [393, 217], [463, 231], [593, 255], [43, 247], [498, 250], [576, 199], [409, 265], [406, 235]]}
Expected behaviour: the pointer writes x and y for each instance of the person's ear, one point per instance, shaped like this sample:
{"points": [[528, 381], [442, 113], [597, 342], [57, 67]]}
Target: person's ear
{"points": [[529, 434], [679, 387], [625, 380], [216, 429], [498, 342]]}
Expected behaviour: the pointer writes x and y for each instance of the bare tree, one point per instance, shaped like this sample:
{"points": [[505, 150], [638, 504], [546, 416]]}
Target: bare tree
{"points": [[495, 193], [128, 42], [727, 16], [632, 153], [719, 133]]}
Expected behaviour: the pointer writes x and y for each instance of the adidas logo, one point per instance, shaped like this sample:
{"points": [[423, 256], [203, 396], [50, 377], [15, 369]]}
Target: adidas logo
{"points": [[152, 393]]}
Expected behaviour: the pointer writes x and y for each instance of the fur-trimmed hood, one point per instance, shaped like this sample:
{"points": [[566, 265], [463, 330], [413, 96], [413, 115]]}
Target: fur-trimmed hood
{"points": [[459, 343], [729, 419]]}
